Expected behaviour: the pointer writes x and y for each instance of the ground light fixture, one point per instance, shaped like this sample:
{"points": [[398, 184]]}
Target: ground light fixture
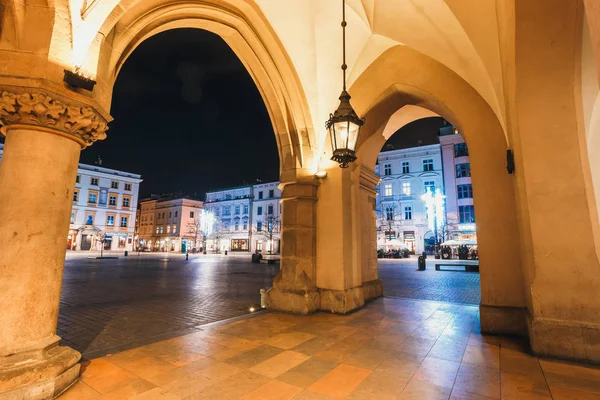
{"points": [[344, 124]]}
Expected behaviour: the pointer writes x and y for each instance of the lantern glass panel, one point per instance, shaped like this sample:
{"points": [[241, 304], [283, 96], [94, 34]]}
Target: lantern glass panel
{"points": [[346, 134]]}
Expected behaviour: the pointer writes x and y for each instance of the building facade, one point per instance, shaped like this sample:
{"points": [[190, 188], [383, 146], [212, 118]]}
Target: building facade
{"points": [[170, 223], [104, 209], [266, 218], [460, 212], [247, 218], [407, 174]]}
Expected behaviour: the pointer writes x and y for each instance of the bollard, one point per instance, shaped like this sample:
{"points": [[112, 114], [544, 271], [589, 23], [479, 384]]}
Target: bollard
{"points": [[126, 253], [225, 252], [263, 298], [187, 256]]}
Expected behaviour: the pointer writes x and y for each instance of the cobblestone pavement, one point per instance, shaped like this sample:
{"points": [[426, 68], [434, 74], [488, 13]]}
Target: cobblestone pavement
{"points": [[401, 279], [111, 305]]}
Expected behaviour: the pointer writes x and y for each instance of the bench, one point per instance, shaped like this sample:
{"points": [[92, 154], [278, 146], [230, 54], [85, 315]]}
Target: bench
{"points": [[269, 261], [457, 267]]}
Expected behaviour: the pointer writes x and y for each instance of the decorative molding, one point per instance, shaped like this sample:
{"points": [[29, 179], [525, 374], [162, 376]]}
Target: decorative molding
{"points": [[82, 124]]}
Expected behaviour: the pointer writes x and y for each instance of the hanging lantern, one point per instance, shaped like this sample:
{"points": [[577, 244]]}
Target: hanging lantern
{"points": [[344, 124]]}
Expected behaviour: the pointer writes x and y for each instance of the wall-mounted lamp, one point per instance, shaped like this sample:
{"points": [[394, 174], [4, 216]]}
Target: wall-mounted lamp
{"points": [[510, 161], [77, 81], [321, 174]]}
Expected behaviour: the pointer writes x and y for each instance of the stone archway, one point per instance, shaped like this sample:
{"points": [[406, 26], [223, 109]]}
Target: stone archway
{"points": [[47, 123], [403, 77]]}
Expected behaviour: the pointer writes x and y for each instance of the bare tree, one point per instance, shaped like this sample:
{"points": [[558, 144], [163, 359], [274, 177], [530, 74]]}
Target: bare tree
{"points": [[389, 218], [196, 232], [271, 226], [218, 231]]}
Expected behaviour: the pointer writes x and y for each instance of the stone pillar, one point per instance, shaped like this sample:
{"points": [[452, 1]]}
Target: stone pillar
{"points": [[43, 138], [294, 289], [344, 234]]}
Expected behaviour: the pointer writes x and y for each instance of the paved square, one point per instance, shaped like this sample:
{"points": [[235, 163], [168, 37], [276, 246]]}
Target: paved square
{"points": [[115, 304]]}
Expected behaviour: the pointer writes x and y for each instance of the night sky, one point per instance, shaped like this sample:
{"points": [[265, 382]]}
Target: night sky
{"points": [[189, 118]]}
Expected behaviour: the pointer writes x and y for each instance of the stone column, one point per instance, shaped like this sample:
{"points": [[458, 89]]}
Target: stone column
{"points": [[294, 289], [44, 135], [345, 229]]}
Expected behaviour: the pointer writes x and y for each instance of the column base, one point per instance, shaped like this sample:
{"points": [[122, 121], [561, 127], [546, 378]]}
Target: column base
{"points": [[39, 374], [502, 320], [577, 341], [297, 302], [335, 301]]}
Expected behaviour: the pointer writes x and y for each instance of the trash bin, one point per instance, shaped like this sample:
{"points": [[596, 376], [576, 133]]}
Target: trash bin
{"points": [[126, 253], [225, 252], [256, 258], [421, 263]]}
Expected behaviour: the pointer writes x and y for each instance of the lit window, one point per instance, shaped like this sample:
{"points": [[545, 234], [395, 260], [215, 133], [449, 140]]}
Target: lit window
{"points": [[465, 191], [110, 220], [387, 169], [429, 186], [112, 200], [157, 229], [463, 170], [168, 228], [126, 202], [92, 198], [405, 167], [94, 181], [406, 188], [174, 228], [259, 211], [114, 185], [461, 150], [123, 222], [388, 189], [428, 165], [408, 212], [128, 186], [467, 214]]}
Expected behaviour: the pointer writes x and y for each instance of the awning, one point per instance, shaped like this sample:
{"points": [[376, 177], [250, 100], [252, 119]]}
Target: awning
{"points": [[459, 243]]}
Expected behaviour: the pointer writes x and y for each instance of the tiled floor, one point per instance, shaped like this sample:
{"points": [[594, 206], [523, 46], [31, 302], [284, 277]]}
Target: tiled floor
{"points": [[391, 349]]}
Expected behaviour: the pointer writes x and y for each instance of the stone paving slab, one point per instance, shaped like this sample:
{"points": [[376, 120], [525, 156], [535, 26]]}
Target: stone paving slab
{"points": [[111, 305]]}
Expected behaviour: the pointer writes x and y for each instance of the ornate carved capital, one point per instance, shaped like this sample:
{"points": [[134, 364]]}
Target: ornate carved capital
{"points": [[37, 108]]}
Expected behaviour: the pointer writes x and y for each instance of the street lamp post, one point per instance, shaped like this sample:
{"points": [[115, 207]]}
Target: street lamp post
{"points": [[435, 212]]}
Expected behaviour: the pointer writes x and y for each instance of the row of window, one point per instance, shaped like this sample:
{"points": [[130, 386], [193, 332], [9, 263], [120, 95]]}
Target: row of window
{"points": [[96, 182], [94, 198], [427, 166], [110, 220], [466, 213], [388, 189], [460, 150], [237, 210]]}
